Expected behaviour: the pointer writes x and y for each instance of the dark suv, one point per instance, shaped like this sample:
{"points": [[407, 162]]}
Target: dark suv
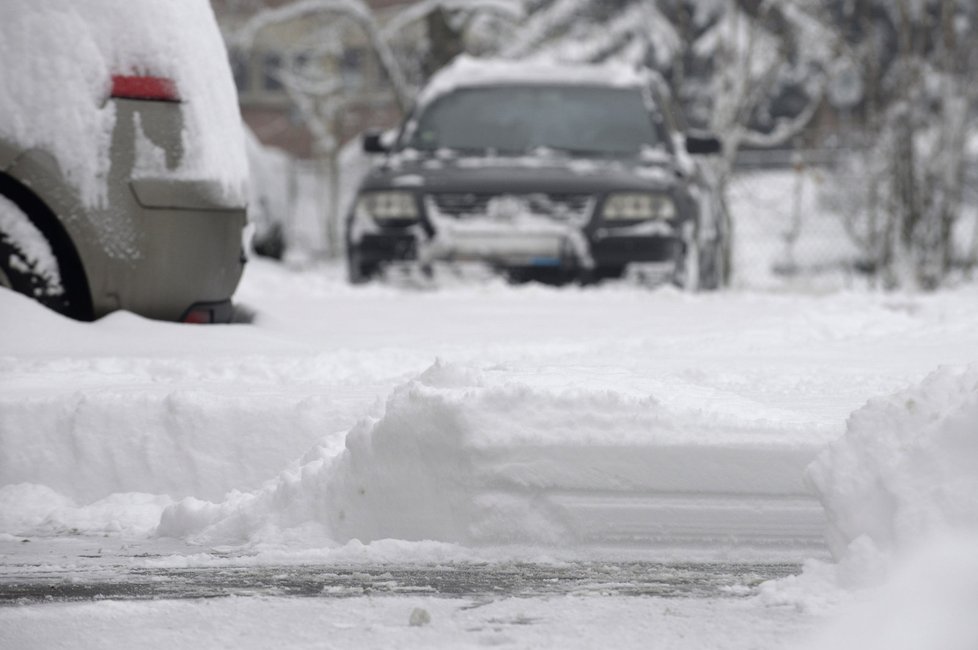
{"points": [[543, 172]]}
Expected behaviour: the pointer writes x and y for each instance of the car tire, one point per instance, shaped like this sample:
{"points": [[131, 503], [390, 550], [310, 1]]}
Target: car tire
{"points": [[357, 271], [602, 273], [549, 276], [21, 270]]}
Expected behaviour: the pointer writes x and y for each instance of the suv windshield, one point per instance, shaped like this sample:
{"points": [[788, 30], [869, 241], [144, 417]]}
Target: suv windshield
{"points": [[516, 119]]}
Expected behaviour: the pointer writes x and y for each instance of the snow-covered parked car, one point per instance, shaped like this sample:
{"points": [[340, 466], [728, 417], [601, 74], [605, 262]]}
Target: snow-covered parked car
{"points": [[122, 164], [542, 171]]}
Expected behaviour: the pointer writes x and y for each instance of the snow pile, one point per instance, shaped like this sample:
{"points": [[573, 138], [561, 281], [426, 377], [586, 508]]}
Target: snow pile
{"points": [[38, 510], [128, 420], [899, 492], [463, 456], [908, 467], [59, 57], [175, 442], [928, 601]]}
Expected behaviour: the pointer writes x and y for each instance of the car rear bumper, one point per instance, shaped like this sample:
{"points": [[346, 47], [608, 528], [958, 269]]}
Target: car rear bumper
{"points": [[178, 259], [209, 312]]}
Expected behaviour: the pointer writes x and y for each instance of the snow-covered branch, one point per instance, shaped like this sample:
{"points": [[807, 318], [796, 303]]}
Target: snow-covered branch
{"points": [[510, 9], [786, 128]]}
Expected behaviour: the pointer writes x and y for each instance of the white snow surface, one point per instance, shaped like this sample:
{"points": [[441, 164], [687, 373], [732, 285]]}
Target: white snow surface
{"points": [[899, 495], [59, 57], [473, 457], [571, 622], [907, 468], [477, 422], [473, 414]]}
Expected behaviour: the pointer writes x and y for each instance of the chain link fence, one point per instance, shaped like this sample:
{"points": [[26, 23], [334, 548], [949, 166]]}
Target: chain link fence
{"points": [[797, 219]]}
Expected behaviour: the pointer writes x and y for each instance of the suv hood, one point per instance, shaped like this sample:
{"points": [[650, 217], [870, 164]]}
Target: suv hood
{"points": [[520, 174]]}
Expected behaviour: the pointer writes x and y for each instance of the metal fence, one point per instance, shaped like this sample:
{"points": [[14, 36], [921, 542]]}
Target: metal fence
{"points": [[796, 220]]}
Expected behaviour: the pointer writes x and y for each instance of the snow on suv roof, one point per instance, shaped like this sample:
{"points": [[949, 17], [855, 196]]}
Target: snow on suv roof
{"points": [[467, 72]]}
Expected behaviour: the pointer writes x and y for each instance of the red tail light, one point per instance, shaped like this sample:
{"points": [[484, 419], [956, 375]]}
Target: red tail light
{"points": [[159, 89], [198, 316]]}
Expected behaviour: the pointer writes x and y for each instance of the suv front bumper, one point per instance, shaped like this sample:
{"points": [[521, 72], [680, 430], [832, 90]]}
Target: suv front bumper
{"points": [[520, 249]]}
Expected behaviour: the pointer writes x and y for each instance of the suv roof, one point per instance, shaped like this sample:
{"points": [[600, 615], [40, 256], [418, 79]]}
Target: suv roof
{"points": [[467, 72]]}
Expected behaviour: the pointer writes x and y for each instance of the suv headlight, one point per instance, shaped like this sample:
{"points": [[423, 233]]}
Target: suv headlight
{"points": [[389, 206], [636, 206]]}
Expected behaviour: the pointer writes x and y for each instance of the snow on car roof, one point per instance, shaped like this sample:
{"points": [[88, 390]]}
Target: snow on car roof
{"points": [[468, 72]]}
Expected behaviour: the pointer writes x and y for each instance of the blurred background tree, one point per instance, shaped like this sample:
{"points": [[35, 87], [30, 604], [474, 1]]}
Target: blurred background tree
{"points": [[885, 88]]}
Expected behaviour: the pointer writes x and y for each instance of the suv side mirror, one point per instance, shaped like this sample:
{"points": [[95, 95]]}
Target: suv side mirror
{"points": [[373, 142], [703, 144]]}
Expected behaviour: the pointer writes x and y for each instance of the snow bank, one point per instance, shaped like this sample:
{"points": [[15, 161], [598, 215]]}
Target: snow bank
{"points": [[463, 456], [39, 510], [176, 442], [59, 57], [899, 491], [907, 467], [127, 405]]}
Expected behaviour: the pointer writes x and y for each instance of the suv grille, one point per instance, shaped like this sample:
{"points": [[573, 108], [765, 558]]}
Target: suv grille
{"points": [[563, 207]]}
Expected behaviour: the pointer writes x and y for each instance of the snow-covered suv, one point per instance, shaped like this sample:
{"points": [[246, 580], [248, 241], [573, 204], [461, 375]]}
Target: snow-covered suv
{"points": [[542, 171], [122, 165]]}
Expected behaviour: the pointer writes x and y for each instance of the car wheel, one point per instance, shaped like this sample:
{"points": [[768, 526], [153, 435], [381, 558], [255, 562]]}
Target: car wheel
{"points": [[358, 271], [29, 265], [602, 273], [554, 277]]}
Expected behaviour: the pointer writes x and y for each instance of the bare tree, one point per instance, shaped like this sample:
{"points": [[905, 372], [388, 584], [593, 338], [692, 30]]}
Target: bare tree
{"points": [[920, 78]]}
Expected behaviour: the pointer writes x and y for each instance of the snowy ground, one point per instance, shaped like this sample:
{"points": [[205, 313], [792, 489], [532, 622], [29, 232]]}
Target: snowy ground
{"points": [[476, 425]]}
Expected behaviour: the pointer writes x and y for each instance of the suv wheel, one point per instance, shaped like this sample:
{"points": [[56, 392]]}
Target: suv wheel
{"points": [[358, 271]]}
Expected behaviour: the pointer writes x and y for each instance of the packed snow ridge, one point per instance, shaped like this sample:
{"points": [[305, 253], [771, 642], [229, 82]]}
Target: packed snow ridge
{"points": [[463, 456]]}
